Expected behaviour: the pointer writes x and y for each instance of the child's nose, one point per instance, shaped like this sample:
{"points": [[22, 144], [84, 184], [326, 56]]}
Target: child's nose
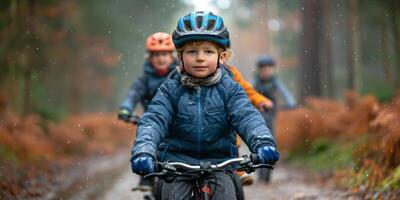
{"points": [[201, 56]]}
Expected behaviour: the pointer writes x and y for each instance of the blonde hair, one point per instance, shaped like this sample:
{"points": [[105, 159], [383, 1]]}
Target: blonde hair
{"points": [[227, 51]]}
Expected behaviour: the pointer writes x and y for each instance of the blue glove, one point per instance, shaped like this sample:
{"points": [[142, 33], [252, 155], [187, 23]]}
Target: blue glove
{"points": [[142, 165], [124, 114], [268, 155]]}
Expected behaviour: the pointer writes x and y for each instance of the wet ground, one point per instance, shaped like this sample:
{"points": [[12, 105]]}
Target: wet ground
{"points": [[111, 178]]}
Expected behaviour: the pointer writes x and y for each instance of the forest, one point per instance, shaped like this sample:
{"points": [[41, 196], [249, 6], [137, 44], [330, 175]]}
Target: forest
{"points": [[65, 67]]}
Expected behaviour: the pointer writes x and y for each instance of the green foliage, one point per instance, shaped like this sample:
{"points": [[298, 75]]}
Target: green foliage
{"points": [[42, 106], [359, 178], [7, 155], [287, 6], [51, 113], [323, 155], [362, 177], [392, 182], [383, 90]]}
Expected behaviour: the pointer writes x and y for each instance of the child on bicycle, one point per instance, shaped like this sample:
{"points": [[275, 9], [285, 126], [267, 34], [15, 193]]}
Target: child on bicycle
{"points": [[195, 112], [270, 86], [160, 62], [258, 100]]}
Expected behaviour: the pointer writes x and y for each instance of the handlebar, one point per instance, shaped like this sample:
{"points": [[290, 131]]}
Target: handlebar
{"points": [[248, 163], [215, 166], [132, 119]]}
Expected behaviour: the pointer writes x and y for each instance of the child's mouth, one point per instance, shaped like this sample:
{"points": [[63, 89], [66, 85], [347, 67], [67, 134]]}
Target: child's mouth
{"points": [[200, 67]]}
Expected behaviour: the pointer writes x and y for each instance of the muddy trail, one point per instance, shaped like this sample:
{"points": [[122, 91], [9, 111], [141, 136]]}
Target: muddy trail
{"points": [[111, 178]]}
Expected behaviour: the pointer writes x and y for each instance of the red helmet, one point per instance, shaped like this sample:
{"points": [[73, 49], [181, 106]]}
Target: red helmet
{"points": [[160, 42]]}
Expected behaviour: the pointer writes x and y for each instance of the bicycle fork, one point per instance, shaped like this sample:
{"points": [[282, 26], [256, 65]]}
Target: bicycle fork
{"points": [[203, 190]]}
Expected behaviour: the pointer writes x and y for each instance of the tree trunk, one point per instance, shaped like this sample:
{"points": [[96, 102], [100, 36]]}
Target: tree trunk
{"points": [[75, 91], [28, 66], [394, 8], [386, 56], [354, 81], [8, 79], [309, 49], [326, 47]]}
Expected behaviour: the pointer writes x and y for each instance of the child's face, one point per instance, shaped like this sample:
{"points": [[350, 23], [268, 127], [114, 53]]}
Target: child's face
{"points": [[161, 60], [265, 72], [201, 59]]}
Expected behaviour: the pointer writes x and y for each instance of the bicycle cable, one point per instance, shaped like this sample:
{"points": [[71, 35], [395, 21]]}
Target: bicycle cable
{"points": [[215, 188]]}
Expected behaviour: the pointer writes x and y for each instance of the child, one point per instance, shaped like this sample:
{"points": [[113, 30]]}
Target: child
{"points": [[269, 85], [159, 64], [258, 100], [195, 112]]}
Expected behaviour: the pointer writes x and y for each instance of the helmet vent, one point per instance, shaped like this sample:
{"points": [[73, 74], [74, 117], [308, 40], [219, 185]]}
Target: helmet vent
{"points": [[199, 21], [210, 25], [188, 26]]}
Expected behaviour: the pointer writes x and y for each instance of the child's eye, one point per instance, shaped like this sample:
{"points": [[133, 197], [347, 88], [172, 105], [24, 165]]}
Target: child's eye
{"points": [[192, 51], [210, 51]]}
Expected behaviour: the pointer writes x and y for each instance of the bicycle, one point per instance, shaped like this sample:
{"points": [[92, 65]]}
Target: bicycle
{"points": [[202, 173]]}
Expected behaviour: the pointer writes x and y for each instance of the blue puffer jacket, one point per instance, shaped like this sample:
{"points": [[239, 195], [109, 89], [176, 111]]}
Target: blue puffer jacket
{"points": [[145, 87], [188, 125]]}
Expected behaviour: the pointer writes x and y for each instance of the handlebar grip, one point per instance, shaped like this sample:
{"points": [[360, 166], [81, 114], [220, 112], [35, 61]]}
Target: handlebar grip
{"points": [[254, 158]]}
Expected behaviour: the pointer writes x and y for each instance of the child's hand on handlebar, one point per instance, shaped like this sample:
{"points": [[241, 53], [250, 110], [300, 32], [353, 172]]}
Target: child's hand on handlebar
{"points": [[268, 155], [124, 114], [143, 165], [265, 106]]}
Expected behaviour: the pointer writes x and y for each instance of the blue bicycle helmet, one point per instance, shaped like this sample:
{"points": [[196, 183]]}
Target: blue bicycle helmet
{"points": [[265, 61], [201, 25]]}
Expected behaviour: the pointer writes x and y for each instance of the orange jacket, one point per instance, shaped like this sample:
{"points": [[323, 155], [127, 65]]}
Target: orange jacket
{"points": [[255, 97]]}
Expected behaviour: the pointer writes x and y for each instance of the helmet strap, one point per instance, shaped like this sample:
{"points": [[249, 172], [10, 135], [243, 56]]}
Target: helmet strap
{"points": [[183, 64]]}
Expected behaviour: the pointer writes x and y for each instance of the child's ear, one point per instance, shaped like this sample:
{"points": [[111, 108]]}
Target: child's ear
{"points": [[222, 57]]}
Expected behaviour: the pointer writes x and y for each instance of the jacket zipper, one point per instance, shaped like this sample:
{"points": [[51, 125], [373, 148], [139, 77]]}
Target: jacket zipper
{"points": [[199, 120]]}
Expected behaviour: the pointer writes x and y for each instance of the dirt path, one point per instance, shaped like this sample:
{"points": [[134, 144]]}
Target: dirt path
{"points": [[286, 183], [112, 179], [291, 183]]}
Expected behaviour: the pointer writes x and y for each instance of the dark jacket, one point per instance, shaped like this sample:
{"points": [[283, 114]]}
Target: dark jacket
{"points": [[189, 125], [145, 87], [270, 89]]}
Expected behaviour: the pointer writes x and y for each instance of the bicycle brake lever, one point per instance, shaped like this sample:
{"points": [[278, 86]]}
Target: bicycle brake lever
{"points": [[154, 174], [263, 166], [245, 161]]}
